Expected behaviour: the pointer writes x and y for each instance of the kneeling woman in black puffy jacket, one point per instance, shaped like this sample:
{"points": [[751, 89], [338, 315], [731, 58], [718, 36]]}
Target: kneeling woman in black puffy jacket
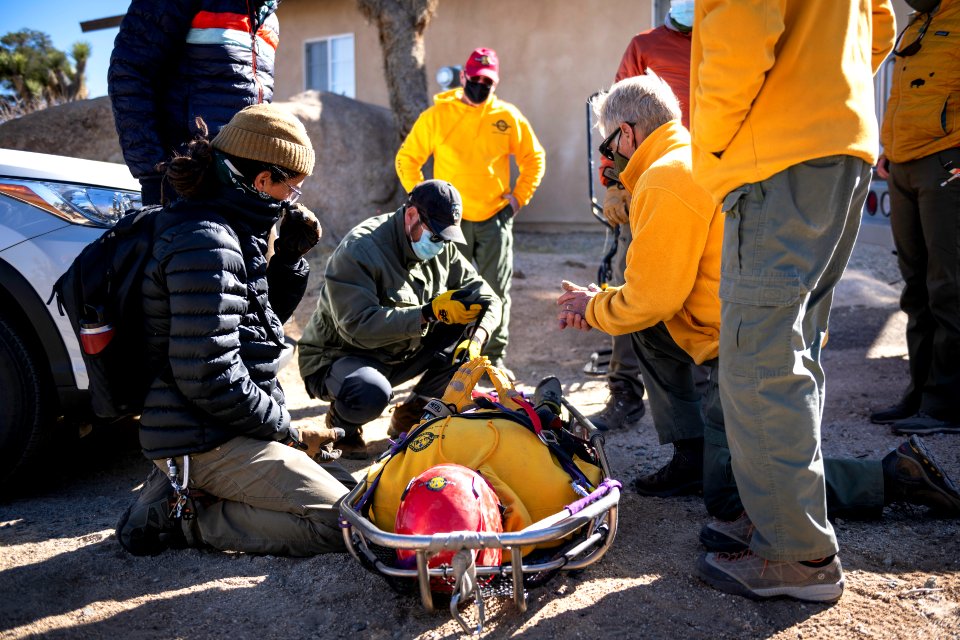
{"points": [[214, 311]]}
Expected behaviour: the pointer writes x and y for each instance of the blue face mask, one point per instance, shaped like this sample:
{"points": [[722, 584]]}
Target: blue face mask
{"points": [[682, 12], [425, 248]]}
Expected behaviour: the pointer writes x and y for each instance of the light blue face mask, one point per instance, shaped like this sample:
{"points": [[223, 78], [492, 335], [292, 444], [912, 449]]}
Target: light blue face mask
{"points": [[682, 12], [425, 248]]}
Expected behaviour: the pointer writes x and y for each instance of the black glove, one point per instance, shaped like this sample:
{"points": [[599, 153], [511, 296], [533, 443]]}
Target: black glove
{"points": [[299, 232]]}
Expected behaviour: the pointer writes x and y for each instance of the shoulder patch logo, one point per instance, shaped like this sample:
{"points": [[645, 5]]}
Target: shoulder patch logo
{"points": [[501, 125], [423, 441]]}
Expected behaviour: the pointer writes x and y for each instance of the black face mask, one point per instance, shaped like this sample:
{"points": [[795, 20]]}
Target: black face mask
{"points": [[477, 92], [923, 6]]}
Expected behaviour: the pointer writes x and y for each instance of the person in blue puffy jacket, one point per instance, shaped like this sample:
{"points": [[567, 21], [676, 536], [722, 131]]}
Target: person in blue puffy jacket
{"points": [[177, 60]]}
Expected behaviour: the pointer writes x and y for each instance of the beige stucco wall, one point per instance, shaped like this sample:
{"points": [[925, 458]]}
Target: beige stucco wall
{"points": [[553, 55]]}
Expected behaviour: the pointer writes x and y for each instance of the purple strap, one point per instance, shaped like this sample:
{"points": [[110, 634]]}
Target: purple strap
{"points": [[601, 490]]}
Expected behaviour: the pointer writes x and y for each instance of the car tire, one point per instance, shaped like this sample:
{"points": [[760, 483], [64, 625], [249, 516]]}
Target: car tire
{"points": [[27, 402]]}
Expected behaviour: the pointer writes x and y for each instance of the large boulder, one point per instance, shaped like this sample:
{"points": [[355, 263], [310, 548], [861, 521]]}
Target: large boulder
{"points": [[81, 129], [355, 142]]}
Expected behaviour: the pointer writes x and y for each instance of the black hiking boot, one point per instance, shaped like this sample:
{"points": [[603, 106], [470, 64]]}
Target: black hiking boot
{"points": [[351, 446], [682, 476], [148, 527], [624, 408], [548, 392]]}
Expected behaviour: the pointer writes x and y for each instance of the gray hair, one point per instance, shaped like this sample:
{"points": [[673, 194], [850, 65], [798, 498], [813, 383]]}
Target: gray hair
{"points": [[646, 100]]}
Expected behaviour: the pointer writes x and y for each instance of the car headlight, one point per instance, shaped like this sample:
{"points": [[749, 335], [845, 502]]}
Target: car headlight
{"points": [[77, 204]]}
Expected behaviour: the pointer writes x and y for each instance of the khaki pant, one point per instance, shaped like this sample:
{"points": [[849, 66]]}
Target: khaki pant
{"points": [[273, 499], [786, 243]]}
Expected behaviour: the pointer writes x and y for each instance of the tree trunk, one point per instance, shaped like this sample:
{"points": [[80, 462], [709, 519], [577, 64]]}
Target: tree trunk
{"points": [[400, 24]]}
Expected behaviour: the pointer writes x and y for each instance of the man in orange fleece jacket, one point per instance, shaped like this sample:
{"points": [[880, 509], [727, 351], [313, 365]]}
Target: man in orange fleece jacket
{"points": [[670, 308]]}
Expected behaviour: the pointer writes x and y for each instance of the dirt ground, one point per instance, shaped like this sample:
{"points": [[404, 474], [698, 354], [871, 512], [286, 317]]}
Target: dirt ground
{"points": [[63, 575]]}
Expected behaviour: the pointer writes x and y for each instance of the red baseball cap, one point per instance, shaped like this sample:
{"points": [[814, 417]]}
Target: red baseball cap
{"points": [[483, 62]]}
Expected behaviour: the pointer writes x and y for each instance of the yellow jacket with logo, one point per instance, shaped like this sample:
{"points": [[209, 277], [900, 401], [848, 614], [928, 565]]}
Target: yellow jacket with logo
{"points": [[923, 112], [523, 472], [471, 148], [776, 83], [673, 262]]}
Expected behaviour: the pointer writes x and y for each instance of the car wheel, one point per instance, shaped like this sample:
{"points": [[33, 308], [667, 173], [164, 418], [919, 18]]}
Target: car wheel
{"points": [[26, 400]]}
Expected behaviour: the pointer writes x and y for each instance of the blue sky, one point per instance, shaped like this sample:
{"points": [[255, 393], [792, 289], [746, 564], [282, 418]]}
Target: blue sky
{"points": [[60, 19]]}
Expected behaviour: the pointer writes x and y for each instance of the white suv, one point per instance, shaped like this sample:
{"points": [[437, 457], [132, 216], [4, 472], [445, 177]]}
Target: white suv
{"points": [[51, 207]]}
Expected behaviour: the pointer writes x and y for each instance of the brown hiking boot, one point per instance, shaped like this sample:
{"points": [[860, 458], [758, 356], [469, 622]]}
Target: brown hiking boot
{"points": [[747, 574], [406, 415], [727, 536], [911, 474]]}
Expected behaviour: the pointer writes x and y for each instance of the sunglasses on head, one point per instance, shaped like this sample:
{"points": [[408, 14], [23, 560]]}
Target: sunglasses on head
{"points": [[912, 48], [606, 147], [435, 238]]}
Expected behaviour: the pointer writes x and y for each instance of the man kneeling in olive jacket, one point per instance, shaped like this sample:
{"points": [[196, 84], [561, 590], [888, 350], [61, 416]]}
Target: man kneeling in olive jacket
{"points": [[396, 299]]}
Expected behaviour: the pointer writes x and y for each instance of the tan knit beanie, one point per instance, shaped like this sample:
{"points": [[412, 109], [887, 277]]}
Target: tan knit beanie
{"points": [[267, 133]]}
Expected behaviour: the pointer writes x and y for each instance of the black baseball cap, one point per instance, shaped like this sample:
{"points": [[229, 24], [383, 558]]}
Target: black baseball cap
{"points": [[440, 202]]}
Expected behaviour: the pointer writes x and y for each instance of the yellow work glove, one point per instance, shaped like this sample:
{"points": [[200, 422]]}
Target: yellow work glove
{"points": [[464, 380], [458, 306], [616, 205], [467, 350]]}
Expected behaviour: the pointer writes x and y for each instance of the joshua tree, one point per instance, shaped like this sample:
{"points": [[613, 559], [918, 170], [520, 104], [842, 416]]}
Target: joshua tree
{"points": [[34, 74], [401, 24]]}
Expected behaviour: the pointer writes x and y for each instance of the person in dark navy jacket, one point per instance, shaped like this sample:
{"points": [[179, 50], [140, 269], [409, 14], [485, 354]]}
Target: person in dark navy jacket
{"points": [[176, 60], [214, 419]]}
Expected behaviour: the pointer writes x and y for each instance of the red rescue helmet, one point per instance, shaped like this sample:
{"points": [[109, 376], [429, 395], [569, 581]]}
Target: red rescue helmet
{"points": [[445, 498]]}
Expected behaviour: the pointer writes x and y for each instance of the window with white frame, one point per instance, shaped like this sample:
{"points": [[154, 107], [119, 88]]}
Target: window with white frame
{"points": [[328, 65]]}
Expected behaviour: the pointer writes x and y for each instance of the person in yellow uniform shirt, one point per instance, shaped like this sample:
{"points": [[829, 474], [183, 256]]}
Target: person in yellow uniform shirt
{"points": [[784, 134], [471, 134]]}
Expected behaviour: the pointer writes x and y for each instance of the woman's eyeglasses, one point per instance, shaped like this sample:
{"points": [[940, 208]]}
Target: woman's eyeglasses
{"points": [[606, 147], [912, 48], [295, 193]]}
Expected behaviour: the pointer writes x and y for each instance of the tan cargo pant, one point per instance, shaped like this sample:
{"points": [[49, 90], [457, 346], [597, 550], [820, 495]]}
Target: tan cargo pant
{"points": [[273, 499]]}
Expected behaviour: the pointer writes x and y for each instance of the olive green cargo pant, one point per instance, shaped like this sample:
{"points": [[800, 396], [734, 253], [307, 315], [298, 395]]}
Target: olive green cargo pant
{"points": [[490, 247], [786, 243], [854, 486]]}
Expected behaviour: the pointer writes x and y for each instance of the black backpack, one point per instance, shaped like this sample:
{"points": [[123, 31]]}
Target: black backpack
{"points": [[101, 295]]}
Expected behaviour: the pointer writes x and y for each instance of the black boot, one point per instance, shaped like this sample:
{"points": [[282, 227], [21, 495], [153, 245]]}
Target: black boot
{"points": [[352, 446], [912, 475], [148, 526], [682, 476], [624, 408]]}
